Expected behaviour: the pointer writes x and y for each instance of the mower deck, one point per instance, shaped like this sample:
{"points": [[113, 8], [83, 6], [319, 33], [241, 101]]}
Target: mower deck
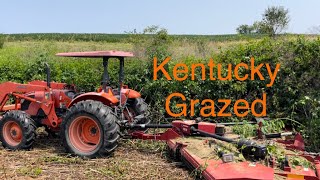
{"points": [[217, 154], [199, 153]]}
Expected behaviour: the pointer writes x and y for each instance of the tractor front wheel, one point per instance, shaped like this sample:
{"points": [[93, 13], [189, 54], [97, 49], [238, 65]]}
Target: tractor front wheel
{"points": [[90, 129], [18, 130]]}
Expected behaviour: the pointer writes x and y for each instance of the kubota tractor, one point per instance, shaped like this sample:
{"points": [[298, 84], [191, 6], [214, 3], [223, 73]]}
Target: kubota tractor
{"points": [[89, 123]]}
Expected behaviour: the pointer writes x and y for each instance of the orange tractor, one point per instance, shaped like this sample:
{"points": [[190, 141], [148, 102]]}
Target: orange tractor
{"points": [[89, 123]]}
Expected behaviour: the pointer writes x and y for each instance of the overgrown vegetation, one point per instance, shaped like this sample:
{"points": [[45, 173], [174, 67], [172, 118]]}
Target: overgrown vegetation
{"points": [[245, 130], [278, 152], [310, 109], [272, 126]]}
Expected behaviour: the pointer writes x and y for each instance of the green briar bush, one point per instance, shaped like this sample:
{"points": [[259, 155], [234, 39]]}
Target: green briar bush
{"points": [[245, 130], [272, 126], [310, 109]]}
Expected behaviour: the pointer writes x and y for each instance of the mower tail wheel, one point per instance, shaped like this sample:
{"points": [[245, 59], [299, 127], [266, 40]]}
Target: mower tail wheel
{"points": [[18, 130], [90, 129], [139, 106]]}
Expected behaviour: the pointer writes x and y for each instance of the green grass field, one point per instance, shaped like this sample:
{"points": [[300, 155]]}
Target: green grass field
{"points": [[16, 50], [121, 37]]}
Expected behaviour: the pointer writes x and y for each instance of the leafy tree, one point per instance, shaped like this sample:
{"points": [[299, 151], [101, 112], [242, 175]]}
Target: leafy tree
{"points": [[260, 27], [245, 29], [153, 29], [275, 19]]}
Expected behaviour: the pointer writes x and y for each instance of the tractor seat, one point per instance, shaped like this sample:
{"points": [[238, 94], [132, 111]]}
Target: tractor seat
{"points": [[117, 95], [72, 94], [115, 92]]}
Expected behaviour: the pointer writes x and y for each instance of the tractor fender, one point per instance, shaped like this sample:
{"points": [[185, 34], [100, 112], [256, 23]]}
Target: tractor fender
{"points": [[105, 98], [132, 93]]}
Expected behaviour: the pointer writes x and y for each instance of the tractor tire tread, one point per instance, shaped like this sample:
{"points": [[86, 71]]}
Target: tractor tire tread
{"points": [[28, 129], [107, 119]]}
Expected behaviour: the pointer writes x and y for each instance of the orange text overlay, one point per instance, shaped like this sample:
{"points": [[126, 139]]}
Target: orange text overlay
{"points": [[208, 109], [241, 108], [181, 71]]}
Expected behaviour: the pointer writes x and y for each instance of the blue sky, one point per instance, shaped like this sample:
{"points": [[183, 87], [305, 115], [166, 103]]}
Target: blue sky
{"points": [[118, 16]]}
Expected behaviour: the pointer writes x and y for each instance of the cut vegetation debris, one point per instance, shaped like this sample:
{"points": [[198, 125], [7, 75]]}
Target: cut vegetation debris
{"points": [[207, 148], [47, 161]]}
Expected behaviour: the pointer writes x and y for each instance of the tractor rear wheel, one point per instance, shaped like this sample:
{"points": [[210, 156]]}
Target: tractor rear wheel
{"points": [[18, 130], [90, 129], [139, 107]]}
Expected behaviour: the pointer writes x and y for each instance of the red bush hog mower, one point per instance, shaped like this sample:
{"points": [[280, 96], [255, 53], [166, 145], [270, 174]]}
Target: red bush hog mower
{"points": [[214, 152], [90, 125]]}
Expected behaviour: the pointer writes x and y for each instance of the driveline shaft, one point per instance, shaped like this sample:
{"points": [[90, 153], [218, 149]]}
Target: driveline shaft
{"points": [[245, 146], [146, 126]]}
